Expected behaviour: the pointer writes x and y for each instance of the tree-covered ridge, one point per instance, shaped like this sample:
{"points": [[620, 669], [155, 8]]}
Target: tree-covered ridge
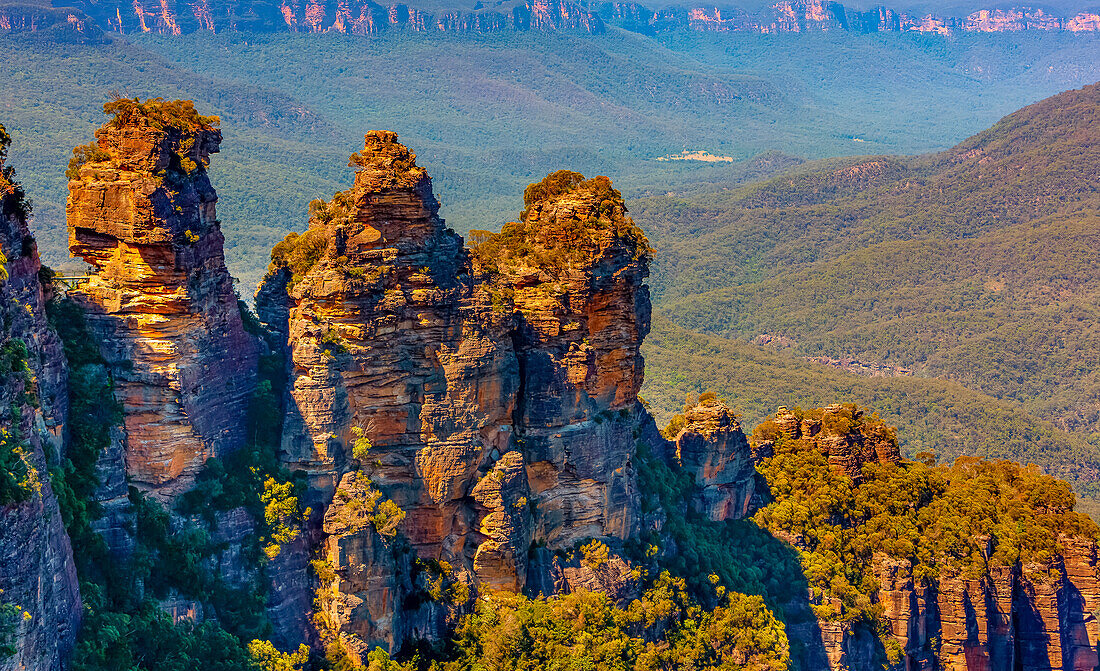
{"points": [[976, 264], [931, 414]]}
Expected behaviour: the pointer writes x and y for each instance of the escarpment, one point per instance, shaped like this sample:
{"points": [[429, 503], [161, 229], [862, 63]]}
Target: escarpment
{"points": [[39, 598], [978, 565], [159, 300]]}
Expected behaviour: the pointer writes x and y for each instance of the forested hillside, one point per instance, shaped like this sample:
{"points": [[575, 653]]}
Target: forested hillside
{"points": [[932, 415], [977, 264], [493, 113]]}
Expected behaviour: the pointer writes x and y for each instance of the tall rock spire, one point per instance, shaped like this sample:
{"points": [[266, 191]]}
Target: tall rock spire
{"points": [[160, 300]]}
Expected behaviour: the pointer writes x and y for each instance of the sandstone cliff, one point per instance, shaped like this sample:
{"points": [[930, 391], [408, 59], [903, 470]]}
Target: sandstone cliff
{"points": [[365, 17], [160, 301], [713, 450], [39, 599]]}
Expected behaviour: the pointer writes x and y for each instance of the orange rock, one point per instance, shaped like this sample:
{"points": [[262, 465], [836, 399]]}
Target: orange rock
{"points": [[160, 300]]}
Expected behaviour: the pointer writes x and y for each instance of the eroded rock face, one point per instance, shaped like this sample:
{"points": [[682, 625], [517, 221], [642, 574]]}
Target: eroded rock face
{"points": [[37, 574], [499, 401], [714, 450], [160, 301]]}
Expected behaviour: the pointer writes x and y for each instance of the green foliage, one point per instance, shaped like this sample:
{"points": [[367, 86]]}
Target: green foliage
{"points": [[282, 514], [932, 415], [18, 476], [586, 630], [360, 446], [553, 185], [11, 615], [556, 242], [159, 113], [92, 412], [266, 657], [299, 253], [957, 520], [85, 153]]}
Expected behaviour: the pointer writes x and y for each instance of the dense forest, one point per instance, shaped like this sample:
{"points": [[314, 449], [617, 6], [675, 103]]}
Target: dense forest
{"points": [[975, 265]]}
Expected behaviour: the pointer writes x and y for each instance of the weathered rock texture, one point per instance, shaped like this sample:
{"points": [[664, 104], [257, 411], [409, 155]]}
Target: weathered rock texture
{"points": [[37, 573], [160, 301], [499, 401], [713, 449]]}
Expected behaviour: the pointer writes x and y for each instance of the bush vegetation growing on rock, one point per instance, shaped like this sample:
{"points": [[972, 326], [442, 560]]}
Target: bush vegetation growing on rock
{"points": [[124, 626], [555, 241], [159, 113]]}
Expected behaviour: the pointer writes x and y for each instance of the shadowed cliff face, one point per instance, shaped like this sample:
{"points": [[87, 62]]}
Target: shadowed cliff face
{"points": [[160, 300], [713, 449], [499, 399], [37, 574]]}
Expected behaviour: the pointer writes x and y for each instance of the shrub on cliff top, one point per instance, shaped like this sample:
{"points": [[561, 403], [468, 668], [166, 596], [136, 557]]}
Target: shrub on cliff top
{"points": [[85, 153], [298, 253], [159, 113], [556, 242]]}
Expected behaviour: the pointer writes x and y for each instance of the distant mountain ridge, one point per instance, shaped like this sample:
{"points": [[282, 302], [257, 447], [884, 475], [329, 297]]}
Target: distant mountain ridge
{"points": [[366, 17]]}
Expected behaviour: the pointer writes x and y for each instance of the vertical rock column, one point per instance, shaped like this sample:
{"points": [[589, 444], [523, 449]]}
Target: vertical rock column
{"points": [[160, 300], [713, 449], [575, 266], [389, 334]]}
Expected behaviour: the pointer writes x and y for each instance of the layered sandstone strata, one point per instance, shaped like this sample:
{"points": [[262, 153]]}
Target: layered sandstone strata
{"points": [[390, 337], [713, 450], [159, 301], [39, 598], [575, 268]]}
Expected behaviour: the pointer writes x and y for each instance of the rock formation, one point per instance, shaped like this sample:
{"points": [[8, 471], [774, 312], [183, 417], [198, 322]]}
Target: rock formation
{"points": [[712, 448], [39, 598], [498, 401], [828, 430], [160, 301]]}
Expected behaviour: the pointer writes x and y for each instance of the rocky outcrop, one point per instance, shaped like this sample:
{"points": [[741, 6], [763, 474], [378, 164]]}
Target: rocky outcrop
{"points": [[66, 25], [829, 430], [712, 449], [159, 301], [39, 598], [574, 268], [498, 400]]}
